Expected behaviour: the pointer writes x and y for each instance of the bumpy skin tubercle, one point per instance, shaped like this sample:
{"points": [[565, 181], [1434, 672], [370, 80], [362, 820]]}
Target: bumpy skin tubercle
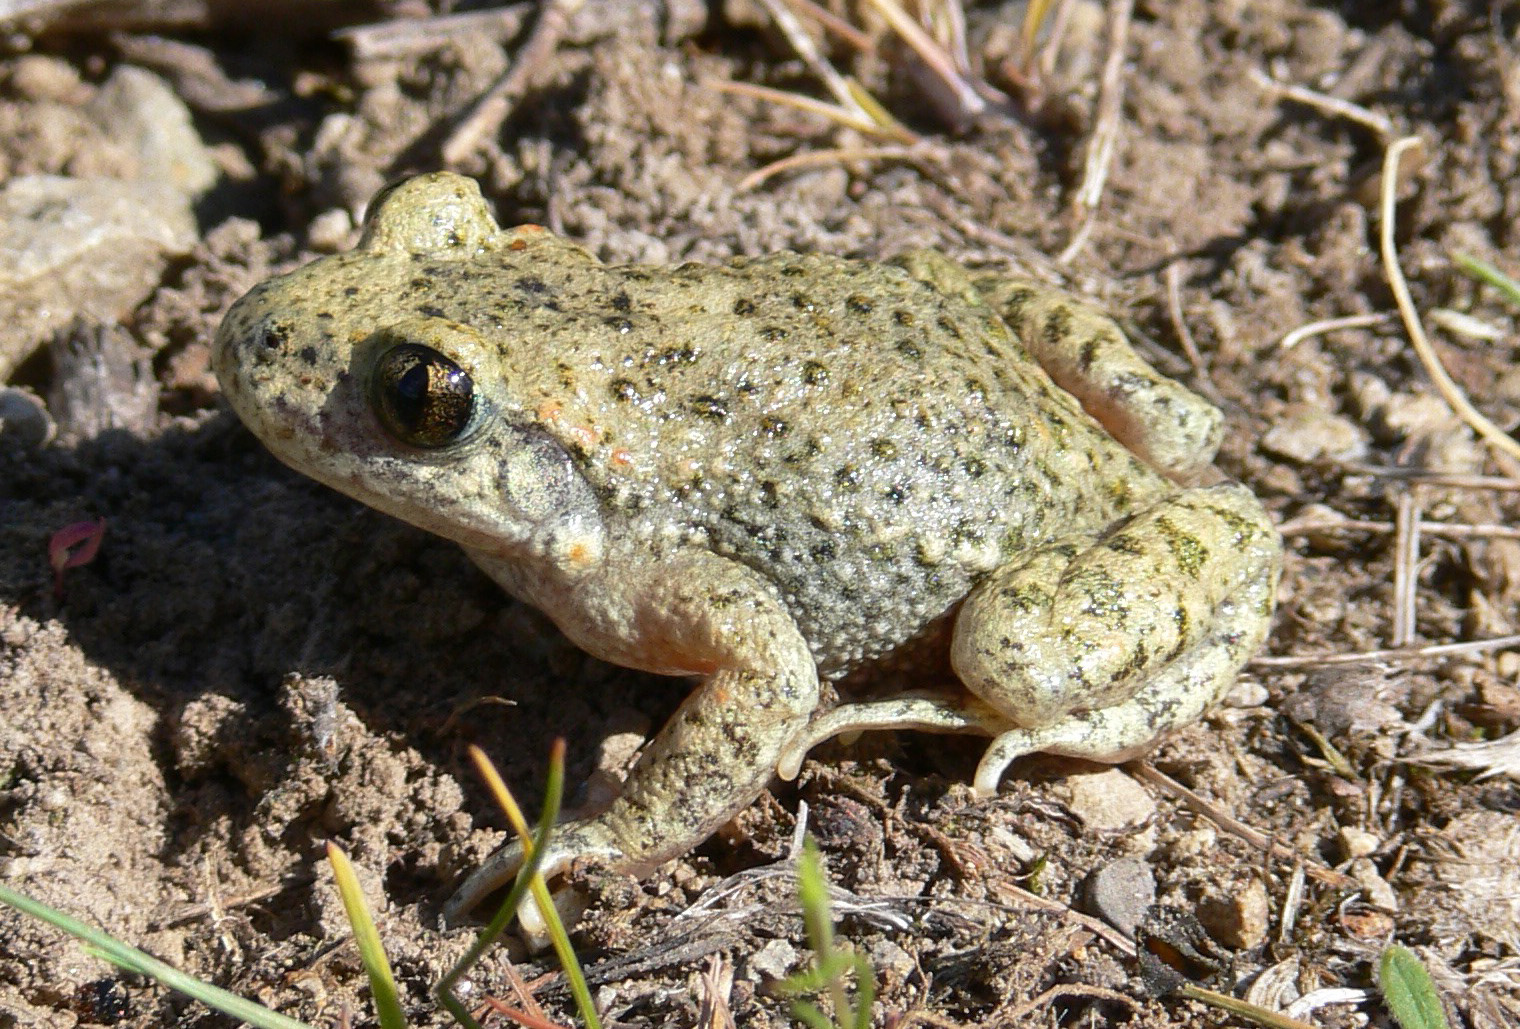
{"points": [[767, 474]]}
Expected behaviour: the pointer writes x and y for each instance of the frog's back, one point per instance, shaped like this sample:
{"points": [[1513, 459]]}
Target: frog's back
{"points": [[868, 444]]}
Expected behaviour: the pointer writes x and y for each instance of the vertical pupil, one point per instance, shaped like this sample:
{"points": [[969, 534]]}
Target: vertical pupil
{"points": [[412, 392]]}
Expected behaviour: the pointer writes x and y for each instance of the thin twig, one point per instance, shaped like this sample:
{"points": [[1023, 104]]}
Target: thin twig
{"points": [[717, 979], [847, 34], [1505, 483], [807, 48], [1011, 1015], [1099, 928], [1406, 556], [1179, 323], [813, 158], [1105, 135], [1293, 902], [1255, 1013], [853, 117], [1326, 104], [1434, 650], [485, 118], [1060, 21], [1328, 325], [1307, 525], [1150, 773], [1449, 390], [969, 103], [410, 37]]}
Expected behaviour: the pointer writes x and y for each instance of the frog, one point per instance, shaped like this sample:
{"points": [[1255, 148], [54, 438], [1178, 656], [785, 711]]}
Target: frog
{"points": [[774, 477]]}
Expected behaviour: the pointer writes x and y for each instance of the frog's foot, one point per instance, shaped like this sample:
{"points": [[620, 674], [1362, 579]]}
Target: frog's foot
{"points": [[569, 844], [1181, 694], [1094, 645], [922, 712]]}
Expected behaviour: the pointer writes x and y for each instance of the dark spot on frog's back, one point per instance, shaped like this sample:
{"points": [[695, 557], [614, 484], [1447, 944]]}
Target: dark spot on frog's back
{"points": [[712, 408], [621, 302], [532, 284], [683, 354], [859, 303], [308, 356], [815, 373], [744, 306]]}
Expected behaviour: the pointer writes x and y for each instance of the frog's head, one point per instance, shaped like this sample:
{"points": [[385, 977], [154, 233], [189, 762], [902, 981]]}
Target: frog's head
{"points": [[359, 371]]}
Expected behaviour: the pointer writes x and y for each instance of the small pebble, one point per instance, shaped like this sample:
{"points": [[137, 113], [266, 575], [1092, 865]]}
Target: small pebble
{"points": [[1239, 918], [1120, 893]]}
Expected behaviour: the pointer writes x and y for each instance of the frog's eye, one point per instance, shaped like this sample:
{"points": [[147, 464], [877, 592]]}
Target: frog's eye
{"points": [[422, 398]]}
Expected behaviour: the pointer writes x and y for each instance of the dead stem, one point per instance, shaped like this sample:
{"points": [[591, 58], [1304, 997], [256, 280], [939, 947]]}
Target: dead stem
{"points": [[1307, 525], [413, 37], [804, 46], [1149, 773], [1449, 390], [1105, 135], [814, 158], [1406, 557], [493, 106], [1328, 325], [1396, 654], [1326, 104]]}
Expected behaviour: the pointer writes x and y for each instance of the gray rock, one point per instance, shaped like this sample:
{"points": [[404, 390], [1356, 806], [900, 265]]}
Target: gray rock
{"points": [[1120, 893], [89, 248], [141, 113]]}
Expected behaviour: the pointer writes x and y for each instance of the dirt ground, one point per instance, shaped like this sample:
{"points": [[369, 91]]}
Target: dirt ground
{"points": [[253, 665]]}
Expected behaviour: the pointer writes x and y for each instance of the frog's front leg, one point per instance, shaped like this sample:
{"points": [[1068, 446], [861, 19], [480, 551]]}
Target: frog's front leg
{"points": [[719, 750]]}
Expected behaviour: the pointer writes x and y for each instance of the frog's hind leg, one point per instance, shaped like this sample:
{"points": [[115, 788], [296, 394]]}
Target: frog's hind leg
{"points": [[1094, 645]]}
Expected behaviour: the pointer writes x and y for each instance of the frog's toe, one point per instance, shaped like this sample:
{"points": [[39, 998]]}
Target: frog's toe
{"points": [[502, 867], [922, 712]]}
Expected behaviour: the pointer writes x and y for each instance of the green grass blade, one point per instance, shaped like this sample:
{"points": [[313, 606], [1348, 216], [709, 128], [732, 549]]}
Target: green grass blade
{"points": [[131, 959], [813, 894], [1485, 272], [528, 878], [382, 984], [1408, 990], [811, 1015], [865, 990]]}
